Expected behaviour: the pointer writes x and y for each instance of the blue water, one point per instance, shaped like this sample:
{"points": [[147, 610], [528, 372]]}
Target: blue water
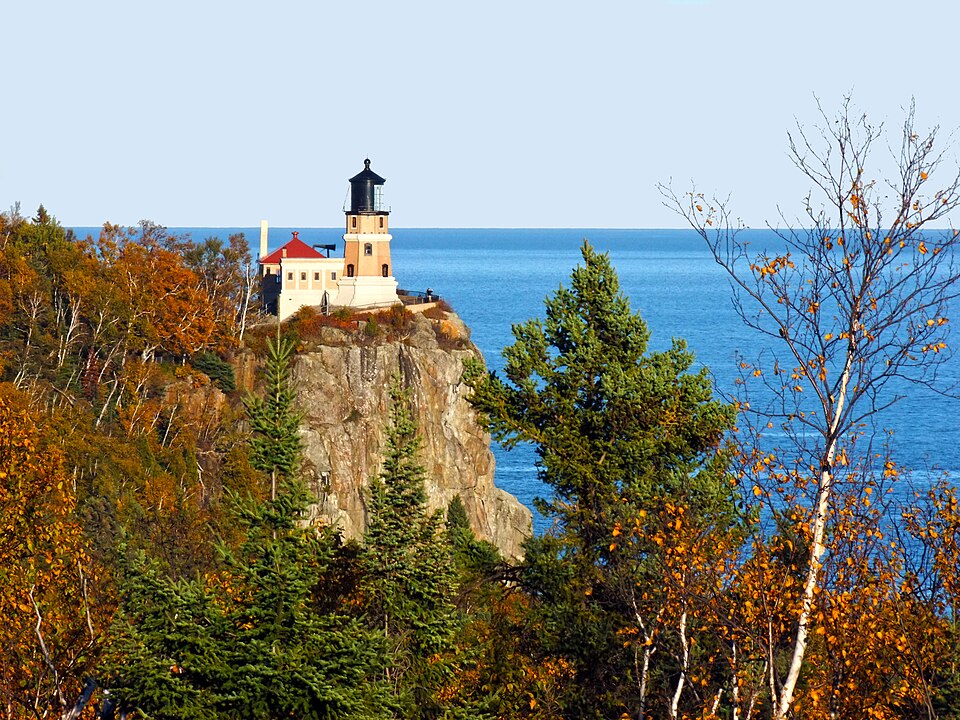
{"points": [[495, 278]]}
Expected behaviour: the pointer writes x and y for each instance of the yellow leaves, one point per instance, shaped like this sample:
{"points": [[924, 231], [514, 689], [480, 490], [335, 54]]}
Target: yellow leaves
{"points": [[772, 266], [828, 337], [757, 491], [922, 248]]}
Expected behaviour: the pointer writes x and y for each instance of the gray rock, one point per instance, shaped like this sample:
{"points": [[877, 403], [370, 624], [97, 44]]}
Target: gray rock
{"points": [[343, 382]]}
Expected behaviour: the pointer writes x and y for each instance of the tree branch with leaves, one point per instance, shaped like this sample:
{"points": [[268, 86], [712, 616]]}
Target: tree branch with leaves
{"points": [[856, 305]]}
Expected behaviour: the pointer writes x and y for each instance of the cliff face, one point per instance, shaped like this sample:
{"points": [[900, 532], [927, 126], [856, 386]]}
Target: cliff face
{"points": [[343, 388]]}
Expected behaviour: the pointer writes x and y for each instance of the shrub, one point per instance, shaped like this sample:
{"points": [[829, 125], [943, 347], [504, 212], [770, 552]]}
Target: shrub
{"points": [[307, 321], [217, 369]]}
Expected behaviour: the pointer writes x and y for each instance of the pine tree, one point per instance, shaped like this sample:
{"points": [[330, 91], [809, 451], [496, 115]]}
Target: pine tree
{"points": [[621, 434], [407, 581]]}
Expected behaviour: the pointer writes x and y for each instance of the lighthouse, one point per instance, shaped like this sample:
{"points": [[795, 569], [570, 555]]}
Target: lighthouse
{"points": [[367, 279]]}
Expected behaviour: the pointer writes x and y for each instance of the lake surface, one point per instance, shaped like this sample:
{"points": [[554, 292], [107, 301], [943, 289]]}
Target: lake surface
{"points": [[497, 277]]}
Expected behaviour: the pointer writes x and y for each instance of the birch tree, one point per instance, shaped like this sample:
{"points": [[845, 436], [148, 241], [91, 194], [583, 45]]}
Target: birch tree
{"points": [[855, 310]]}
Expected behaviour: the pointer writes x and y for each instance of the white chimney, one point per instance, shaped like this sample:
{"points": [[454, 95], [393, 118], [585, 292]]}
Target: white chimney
{"points": [[263, 239]]}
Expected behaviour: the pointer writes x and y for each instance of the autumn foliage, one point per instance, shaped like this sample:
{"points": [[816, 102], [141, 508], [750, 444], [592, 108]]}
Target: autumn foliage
{"points": [[52, 610], [158, 549]]}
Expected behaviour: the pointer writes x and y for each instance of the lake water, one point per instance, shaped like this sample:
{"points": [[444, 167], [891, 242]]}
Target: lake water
{"points": [[495, 278]]}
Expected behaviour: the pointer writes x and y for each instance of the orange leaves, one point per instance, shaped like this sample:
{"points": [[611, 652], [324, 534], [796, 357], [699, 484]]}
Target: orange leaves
{"points": [[922, 248], [41, 551], [772, 265]]}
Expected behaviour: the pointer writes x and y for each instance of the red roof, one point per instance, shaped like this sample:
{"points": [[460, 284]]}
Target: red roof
{"points": [[296, 249]]}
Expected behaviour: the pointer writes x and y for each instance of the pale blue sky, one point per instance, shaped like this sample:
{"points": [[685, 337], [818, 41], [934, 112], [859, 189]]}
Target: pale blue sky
{"points": [[491, 114]]}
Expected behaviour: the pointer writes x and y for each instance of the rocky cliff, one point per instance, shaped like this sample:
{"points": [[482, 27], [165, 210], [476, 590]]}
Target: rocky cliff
{"points": [[342, 378]]}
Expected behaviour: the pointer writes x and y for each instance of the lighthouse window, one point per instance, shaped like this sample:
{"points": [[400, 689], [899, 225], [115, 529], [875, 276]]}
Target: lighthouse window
{"points": [[381, 222], [350, 270], [353, 221], [385, 269], [368, 248]]}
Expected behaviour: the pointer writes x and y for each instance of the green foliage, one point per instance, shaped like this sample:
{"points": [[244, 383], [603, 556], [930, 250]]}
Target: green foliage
{"points": [[217, 369], [371, 328], [253, 638], [406, 578], [618, 432], [474, 558], [275, 445], [249, 642]]}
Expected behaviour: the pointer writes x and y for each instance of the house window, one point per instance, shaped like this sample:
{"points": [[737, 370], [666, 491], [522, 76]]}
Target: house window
{"points": [[290, 276], [385, 269], [316, 276], [333, 275], [350, 270], [269, 271], [368, 248], [303, 277]]}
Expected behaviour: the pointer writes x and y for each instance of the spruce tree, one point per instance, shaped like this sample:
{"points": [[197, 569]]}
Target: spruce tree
{"points": [[275, 445], [257, 638], [407, 580], [619, 432]]}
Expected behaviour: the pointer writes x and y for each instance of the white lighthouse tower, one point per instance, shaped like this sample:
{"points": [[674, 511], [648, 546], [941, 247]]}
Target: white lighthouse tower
{"points": [[367, 279]]}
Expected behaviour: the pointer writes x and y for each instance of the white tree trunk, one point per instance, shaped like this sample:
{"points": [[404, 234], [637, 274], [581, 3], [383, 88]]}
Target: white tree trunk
{"points": [[685, 645], [820, 516]]}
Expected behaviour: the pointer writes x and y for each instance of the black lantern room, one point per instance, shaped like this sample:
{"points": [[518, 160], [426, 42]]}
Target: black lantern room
{"points": [[365, 189]]}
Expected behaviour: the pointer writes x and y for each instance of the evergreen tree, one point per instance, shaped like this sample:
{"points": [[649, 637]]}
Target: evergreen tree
{"points": [[621, 434], [475, 559], [255, 639], [407, 580], [275, 446]]}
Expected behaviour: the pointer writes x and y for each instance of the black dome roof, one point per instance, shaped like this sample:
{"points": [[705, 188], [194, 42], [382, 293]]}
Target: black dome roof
{"points": [[367, 175]]}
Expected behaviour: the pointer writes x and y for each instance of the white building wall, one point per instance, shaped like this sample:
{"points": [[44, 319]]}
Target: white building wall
{"points": [[304, 281]]}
